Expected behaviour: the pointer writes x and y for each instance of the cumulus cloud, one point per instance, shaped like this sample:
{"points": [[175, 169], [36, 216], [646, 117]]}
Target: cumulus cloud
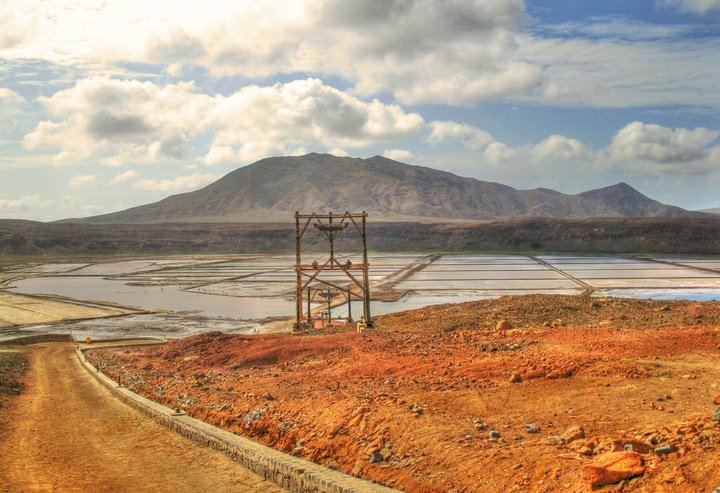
{"points": [[459, 51], [497, 152], [673, 149], [124, 121], [398, 154], [188, 182], [9, 97], [15, 25], [121, 120], [701, 7], [83, 181], [124, 177], [22, 204], [280, 118], [472, 138], [558, 147]]}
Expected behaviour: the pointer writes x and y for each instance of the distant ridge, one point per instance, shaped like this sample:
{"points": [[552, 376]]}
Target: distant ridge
{"points": [[715, 210], [271, 189]]}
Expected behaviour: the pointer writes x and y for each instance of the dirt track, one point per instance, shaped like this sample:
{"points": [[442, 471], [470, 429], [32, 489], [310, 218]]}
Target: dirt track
{"points": [[71, 434]]}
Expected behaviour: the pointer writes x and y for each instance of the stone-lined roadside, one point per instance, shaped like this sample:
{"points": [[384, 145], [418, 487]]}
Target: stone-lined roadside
{"points": [[287, 471]]}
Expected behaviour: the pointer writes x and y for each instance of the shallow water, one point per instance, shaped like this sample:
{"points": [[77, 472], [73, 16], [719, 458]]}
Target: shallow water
{"points": [[258, 287], [156, 297]]}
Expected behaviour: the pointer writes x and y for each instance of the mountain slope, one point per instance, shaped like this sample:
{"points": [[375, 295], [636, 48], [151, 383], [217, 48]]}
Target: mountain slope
{"points": [[271, 190]]}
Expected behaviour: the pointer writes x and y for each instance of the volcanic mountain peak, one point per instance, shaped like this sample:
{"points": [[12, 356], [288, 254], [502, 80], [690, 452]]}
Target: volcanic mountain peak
{"points": [[270, 190]]}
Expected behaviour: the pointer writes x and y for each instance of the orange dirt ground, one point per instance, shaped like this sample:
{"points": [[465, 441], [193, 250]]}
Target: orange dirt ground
{"points": [[60, 430], [428, 386]]}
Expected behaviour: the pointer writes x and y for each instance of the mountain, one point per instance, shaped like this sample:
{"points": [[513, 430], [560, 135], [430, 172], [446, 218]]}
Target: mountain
{"points": [[715, 210], [272, 189]]}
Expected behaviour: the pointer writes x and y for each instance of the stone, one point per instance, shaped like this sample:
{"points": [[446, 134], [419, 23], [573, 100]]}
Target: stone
{"points": [[516, 378], [664, 450], [503, 325], [355, 421], [494, 434], [612, 468], [716, 400], [417, 409], [573, 433], [716, 415], [480, 425], [636, 446], [375, 457], [532, 428], [553, 440]]}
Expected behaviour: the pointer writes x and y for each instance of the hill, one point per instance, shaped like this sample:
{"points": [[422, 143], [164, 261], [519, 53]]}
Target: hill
{"points": [[588, 235], [271, 190]]}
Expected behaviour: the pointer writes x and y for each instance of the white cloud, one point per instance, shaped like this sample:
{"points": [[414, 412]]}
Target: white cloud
{"points": [[189, 182], [339, 152], [472, 138], [15, 26], [257, 122], [610, 71], [658, 147], [9, 97], [22, 204], [124, 177], [401, 155], [460, 51], [83, 181], [558, 147], [119, 120], [122, 121], [701, 7], [497, 152]]}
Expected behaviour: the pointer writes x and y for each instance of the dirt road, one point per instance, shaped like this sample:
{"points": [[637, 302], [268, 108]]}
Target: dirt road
{"points": [[70, 434]]}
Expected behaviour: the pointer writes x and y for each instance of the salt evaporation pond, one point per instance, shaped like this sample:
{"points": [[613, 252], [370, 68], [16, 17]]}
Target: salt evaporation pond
{"points": [[258, 287]]}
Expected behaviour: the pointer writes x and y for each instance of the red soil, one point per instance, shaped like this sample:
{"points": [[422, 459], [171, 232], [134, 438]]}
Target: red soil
{"points": [[427, 386]]}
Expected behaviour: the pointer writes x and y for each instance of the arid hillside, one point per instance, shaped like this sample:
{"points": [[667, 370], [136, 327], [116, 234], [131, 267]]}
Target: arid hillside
{"points": [[273, 189], [597, 235]]}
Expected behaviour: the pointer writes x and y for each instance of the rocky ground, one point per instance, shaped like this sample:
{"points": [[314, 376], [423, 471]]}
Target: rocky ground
{"points": [[529, 393]]}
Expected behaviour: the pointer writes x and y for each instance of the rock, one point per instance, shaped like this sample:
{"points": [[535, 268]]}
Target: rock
{"points": [[553, 440], [716, 400], [532, 428], [355, 421], [716, 490], [494, 434], [375, 457], [503, 325], [664, 450], [480, 425], [612, 468], [516, 378], [636, 446], [573, 433], [386, 453], [716, 415]]}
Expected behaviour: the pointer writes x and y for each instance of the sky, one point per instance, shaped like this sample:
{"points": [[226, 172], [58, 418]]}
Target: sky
{"points": [[111, 104]]}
